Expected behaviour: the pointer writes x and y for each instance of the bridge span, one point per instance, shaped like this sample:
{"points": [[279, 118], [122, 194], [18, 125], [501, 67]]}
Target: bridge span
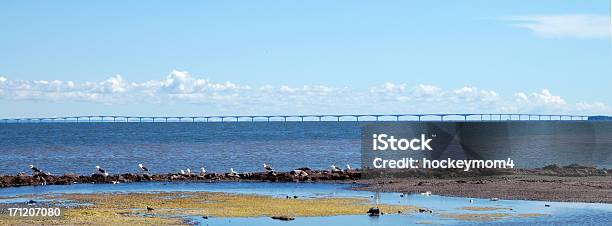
{"points": [[303, 118]]}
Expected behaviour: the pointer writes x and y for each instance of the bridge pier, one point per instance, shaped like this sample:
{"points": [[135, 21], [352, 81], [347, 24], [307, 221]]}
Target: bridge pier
{"points": [[115, 118]]}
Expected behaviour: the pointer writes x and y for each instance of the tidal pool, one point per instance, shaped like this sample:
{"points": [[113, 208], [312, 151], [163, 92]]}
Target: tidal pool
{"points": [[446, 210]]}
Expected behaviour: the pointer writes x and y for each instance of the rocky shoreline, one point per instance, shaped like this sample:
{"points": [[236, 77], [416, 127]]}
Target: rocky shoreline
{"points": [[571, 183], [303, 175]]}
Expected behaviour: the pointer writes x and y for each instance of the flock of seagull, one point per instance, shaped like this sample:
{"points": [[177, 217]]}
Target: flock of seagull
{"points": [[187, 172]]}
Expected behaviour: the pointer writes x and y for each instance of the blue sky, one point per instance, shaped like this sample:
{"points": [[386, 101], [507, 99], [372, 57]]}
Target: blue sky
{"points": [[259, 57]]}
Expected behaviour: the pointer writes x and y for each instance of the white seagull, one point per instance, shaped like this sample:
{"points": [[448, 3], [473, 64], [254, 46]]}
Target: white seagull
{"points": [[203, 170], [233, 173], [267, 167], [35, 170], [182, 172], [188, 172], [145, 169], [348, 167], [102, 171], [300, 173], [335, 168]]}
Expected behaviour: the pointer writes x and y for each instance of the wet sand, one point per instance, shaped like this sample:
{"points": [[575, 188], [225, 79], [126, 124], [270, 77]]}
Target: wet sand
{"points": [[552, 183], [572, 183], [594, 189]]}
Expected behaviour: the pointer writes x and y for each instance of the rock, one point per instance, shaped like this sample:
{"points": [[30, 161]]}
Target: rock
{"points": [[374, 211], [424, 210], [283, 218], [551, 167]]}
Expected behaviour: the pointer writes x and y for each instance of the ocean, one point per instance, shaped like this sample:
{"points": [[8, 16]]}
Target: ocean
{"points": [[62, 148]]}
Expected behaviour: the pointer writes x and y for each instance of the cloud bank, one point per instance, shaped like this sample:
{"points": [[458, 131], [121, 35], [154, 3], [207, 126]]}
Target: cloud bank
{"points": [[227, 97], [582, 26]]}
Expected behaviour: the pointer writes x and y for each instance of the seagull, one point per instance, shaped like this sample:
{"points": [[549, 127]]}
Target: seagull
{"points": [[335, 168], [203, 170], [427, 193], [188, 172], [299, 172], [145, 169], [182, 172], [233, 173], [36, 170], [348, 167], [102, 171], [267, 167]]}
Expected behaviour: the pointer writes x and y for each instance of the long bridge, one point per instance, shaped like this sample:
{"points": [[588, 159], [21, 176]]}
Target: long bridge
{"points": [[302, 118]]}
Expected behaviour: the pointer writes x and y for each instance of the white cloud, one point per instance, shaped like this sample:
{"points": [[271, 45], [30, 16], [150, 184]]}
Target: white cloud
{"points": [[596, 107], [564, 26], [114, 85], [426, 90], [232, 98], [286, 89]]}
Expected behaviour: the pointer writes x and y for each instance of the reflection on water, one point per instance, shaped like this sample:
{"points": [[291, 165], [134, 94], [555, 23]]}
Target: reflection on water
{"points": [[557, 213]]}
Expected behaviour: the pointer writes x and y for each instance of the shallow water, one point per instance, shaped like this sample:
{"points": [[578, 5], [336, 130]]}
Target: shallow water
{"points": [[559, 212]]}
